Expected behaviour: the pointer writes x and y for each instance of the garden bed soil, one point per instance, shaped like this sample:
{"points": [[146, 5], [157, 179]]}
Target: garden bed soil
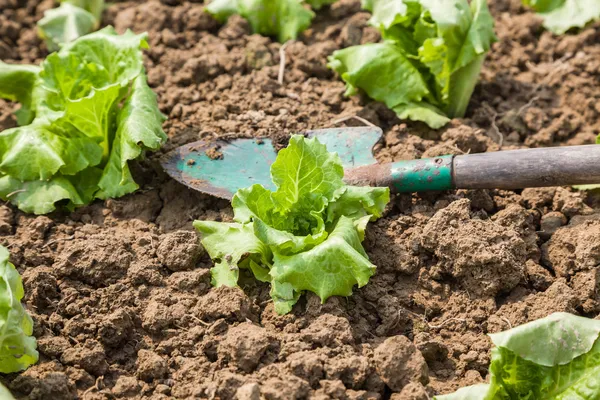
{"points": [[120, 291]]}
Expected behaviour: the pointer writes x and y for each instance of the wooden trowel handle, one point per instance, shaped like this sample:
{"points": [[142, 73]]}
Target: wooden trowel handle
{"points": [[512, 169]]}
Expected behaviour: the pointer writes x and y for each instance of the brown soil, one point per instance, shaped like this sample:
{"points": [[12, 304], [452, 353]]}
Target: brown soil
{"points": [[120, 291]]}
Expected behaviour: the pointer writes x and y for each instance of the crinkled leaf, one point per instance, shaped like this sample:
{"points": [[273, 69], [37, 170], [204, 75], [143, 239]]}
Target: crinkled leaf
{"points": [[475, 392], [16, 84], [282, 242], [139, 128], [422, 111], [254, 202], [284, 19], [283, 236], [514, 377], [358, 201], [554, 340], [383, 71], [17, 345], [561, 15], [305, 170], [428, 65], [64, 24], [140, 121], [40, 197], [553, 358], [41, 149], [463, 34], [329, 269], [100, 59], [480, 35], [433, 54], [94, 112], [387, 13], [452, 22], [227, 244]]}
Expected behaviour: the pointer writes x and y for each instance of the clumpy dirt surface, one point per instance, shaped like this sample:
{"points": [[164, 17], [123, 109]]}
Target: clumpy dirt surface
{"points": [[120, 291]]}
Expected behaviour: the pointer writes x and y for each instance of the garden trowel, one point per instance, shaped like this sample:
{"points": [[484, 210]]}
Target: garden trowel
{"points": [[220, 168]]}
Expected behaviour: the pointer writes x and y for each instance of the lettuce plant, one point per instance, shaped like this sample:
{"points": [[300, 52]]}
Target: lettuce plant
{"points": [[428, 64], [284, 19], [553, 358], [17, 346], [72, 19], [561, 15], [306, 235], [85, 112]]}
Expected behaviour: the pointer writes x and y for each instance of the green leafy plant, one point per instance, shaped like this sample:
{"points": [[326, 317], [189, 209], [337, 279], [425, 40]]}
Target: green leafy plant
{"points": [[85, 113], [306, 235], [553, 358], [284, 19], [72, 19], [17, 346], [428, 64], [561, 15]]}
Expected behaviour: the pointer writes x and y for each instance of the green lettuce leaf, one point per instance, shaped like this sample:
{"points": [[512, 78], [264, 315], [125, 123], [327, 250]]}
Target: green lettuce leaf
{"points": [[331, 268], [71, 20], [227, 244], [94, 112], [561, 15], [139, 128], [284, 19], [557, 357], [64, 24], [553, 358], [431, 56], [41, 149], [256, 202], [16, 84], [383, 70], [17, 345], [306, 235], [304, 170], [359, 201]]}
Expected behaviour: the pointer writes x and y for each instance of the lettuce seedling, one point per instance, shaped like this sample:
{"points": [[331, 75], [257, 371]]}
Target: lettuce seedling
{"points": [[429, 62], [84, 114], [306, 235], [284, 19], [553, 358], [561, 15], [17, 346], [72, 19]]}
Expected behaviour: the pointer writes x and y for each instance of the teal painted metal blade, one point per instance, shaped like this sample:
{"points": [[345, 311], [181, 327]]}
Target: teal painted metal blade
{"points": [[220, 168]]}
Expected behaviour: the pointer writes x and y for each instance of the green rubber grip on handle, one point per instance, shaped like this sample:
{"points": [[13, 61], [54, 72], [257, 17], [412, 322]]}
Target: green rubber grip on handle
{"points": [[422, 175]]}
